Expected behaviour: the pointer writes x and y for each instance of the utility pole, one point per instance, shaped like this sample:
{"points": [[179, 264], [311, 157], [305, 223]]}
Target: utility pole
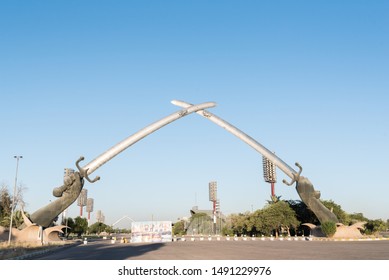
{"points": [[14, 198]]}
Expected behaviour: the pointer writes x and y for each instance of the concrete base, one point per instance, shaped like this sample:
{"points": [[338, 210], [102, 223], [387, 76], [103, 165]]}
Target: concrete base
{"points": [[32, 233], [342, 231], [352, 231]]}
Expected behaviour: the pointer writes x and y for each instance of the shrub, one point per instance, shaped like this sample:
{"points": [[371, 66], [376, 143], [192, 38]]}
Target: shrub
{"points": [[328, 228]]}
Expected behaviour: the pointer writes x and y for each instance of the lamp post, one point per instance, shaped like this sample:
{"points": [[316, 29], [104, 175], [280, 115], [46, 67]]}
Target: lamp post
{"points": [[14, 198]]}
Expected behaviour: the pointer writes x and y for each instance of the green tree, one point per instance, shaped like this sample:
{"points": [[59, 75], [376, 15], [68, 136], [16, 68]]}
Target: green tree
{"points": [[275, 218], [274, 199], [199, 216], [200, 223], [5, 206], [80, 226], [337, 210], [357, 217], [18, 218], [227, 230], [374, 226], [179, 228], [69, 222], [240, 223], [303, 213], [6, 201], [110, 229], [121, 230], [328, 228], [99, 227]]}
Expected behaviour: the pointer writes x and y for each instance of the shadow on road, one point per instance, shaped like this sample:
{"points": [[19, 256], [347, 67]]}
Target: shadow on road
{"points": [[100, 251]]}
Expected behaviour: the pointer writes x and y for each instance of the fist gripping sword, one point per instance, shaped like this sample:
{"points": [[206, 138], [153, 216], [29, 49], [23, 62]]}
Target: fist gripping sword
{"points": [[73, 183]]}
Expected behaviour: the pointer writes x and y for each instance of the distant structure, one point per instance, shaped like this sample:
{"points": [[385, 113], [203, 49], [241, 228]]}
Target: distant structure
{"points": [[82, 200], [204, 224], [100, 216], [269, 174], [213, 199], [89, 207], [207, 222]]}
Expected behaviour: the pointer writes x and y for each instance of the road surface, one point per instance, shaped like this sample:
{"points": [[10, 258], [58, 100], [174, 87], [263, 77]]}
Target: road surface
{"points": [[224, 250]]}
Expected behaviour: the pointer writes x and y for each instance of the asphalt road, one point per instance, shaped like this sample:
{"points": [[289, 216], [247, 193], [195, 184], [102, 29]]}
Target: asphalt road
{"points": [[224, 250]]}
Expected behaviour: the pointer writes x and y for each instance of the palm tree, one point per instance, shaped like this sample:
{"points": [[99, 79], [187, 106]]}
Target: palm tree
{"points": [[274, 199]]}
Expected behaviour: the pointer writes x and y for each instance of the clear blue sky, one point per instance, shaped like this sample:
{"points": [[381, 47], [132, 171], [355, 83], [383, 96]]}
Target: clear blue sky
{"points": [[307, 79]]}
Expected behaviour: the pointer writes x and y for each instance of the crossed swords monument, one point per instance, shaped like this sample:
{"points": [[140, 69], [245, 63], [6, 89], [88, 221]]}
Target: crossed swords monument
{"points": [[73, 183]]}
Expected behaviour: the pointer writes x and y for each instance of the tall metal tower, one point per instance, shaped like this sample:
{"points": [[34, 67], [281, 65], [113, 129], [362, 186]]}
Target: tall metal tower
{"points": [[82, 199], [213, 198], [269, 174], [89, 207]]}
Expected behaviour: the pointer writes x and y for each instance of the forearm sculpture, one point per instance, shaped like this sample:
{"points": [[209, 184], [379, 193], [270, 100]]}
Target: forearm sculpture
{"points": [[73, 184], [304, 187]]}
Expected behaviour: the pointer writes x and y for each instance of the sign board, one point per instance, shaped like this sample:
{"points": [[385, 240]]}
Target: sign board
{"points": [[151, 231]]}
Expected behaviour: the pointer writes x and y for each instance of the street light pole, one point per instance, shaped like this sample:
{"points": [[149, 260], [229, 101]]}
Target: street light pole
{"points": [[14, 198]]}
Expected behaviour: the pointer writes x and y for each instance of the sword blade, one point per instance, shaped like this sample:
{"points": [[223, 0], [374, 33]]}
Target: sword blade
{"points": [[289, 171], [121, 146]]}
